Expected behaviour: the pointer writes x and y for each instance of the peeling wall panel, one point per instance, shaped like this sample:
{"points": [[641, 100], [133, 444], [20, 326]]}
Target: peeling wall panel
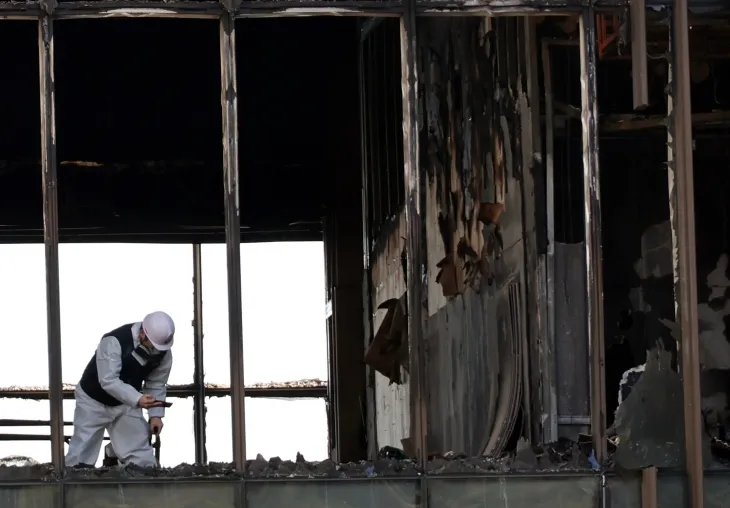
{"points": [[472, 154], [391, 401]]}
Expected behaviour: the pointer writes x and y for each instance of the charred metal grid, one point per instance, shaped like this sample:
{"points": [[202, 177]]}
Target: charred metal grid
{"points": [[46, 12]]}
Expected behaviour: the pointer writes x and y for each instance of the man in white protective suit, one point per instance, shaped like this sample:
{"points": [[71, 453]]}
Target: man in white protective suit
{"points": [[109, 396]]}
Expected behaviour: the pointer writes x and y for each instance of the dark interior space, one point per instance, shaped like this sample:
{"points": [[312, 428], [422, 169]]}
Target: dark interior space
{"points": [[636, 238], [138, 123]]}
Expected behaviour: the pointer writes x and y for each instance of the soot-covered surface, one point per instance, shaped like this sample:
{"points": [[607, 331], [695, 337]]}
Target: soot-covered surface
{"points": [[138, 121]]}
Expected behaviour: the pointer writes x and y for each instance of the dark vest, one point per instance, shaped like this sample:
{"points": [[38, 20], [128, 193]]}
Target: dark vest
{"points": [[133, 373]]}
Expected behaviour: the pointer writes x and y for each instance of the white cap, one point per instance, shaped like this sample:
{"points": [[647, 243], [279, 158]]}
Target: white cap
{"points": [[160, 330]]}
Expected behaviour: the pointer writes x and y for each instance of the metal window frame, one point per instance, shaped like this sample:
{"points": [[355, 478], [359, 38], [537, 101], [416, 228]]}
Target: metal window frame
{"points": [[46, 12]]}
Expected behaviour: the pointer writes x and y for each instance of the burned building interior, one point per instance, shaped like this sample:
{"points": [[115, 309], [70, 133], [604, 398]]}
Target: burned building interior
{"points": [[496, 304]]}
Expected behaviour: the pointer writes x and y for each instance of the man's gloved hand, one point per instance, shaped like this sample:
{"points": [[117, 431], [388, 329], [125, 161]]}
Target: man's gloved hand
{"points": [[147, 401], [156, 425]]}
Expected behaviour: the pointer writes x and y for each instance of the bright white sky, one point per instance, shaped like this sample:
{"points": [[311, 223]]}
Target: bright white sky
{"points": [[107, 285]]}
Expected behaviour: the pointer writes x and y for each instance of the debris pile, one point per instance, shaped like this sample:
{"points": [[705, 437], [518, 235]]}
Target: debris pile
{"points": [[562, 455], [277, 468]]}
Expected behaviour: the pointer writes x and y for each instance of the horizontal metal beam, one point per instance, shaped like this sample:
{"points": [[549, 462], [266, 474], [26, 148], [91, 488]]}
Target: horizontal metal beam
{"points": [[28, 423], [386, 480], [33, 437], [288, 8], [184, 391]]}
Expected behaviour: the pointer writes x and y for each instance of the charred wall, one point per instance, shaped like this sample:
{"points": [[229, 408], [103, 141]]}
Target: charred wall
{"points": [[470, 84]]}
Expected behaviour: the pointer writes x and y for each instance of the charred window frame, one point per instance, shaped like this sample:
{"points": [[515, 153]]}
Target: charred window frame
{"points": [[382, 123]]}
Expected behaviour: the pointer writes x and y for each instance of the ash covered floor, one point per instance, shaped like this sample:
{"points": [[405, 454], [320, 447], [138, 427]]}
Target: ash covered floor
{"points": [[562, 456]]}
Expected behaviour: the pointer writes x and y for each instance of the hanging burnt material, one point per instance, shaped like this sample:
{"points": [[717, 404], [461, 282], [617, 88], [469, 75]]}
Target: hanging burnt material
{"points": [[467, 145]]}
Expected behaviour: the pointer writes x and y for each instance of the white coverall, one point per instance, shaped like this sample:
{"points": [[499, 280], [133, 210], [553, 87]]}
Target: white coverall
{"points": [[128, 430]]}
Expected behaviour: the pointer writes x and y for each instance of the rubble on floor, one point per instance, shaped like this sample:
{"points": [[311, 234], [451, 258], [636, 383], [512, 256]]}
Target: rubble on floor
{"points": [[564, 455], [277, 468], [559, 456]]}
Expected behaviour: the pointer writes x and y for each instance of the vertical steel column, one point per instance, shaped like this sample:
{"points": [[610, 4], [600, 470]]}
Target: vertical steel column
{"points": [[415, 224], [549, 389], [50, 233], [682, 218], [371, 420], [594, 254], [229, 105], [199, 409]]}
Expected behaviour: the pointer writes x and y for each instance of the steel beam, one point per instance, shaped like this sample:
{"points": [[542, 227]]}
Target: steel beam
{"points": [[183, 391], [371, 418], [649, 488], [288, 8], [229, 105], [416, 232], [682, 219], [549, 388], [199, 409], [594, 251], [50, 235], [639, 57]]}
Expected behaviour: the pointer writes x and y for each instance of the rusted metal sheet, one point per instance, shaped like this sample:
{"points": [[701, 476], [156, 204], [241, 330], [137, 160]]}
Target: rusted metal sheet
{"points": [[233, 233], [684, 254], [50, 232], [594, 261]]}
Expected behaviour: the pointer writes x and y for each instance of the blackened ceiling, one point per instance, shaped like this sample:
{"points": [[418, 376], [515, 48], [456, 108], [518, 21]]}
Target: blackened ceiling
{"points": [[138, 121]]}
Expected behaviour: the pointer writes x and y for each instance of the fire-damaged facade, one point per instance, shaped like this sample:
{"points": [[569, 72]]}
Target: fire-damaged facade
{"points": [[525, 221]]}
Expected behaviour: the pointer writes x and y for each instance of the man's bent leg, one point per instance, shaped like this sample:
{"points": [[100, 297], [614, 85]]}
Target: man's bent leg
{"points": [[90, 419], [130, 439]]}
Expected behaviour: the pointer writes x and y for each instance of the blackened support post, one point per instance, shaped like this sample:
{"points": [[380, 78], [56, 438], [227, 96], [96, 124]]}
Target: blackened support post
{"points": [[594, 255], [533, 206], [229, 105], [50, 232], [549, 387], [371, 420], [199, 410], [682, 219], [639, 58], [415, 226]]}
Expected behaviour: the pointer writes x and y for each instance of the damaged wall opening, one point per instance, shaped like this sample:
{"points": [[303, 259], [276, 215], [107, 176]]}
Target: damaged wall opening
{"points": [[90, 308], [138, 121], [636, 238]]}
